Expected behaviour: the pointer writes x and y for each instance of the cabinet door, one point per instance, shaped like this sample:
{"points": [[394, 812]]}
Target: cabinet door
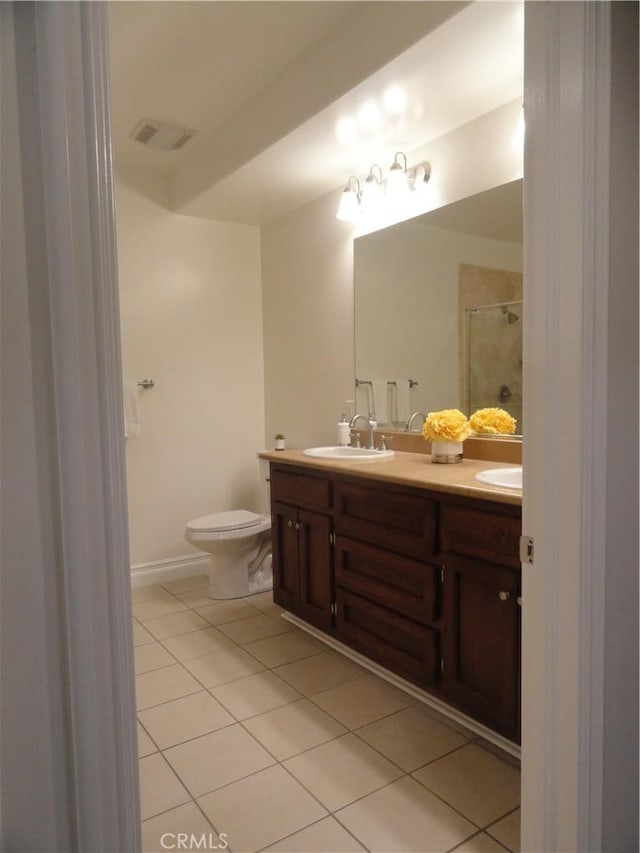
{"points": [[284, 540], [315, 569], [481, 641]]}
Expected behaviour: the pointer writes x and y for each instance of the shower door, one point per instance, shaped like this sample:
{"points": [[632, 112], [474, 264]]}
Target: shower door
{"points": [[494, 358]]}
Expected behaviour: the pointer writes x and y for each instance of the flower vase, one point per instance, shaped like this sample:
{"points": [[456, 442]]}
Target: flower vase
{"points": [[446, 451], [279, 444]]}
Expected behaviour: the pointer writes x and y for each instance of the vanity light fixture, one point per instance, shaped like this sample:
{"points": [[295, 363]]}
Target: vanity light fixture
{"points": [[397, 180], [380, 196], [372, 191], [349, 207]]}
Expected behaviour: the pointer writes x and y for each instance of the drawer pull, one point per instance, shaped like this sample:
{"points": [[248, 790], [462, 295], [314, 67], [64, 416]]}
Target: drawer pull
{"points": [[504, 596]]}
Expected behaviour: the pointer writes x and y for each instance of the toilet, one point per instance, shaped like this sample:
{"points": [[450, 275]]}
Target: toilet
{"points": [[239, 544]]}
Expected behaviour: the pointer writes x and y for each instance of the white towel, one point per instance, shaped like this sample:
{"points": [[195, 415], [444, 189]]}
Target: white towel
{"points": [[403, 403], [131, 409], [380, 400]]}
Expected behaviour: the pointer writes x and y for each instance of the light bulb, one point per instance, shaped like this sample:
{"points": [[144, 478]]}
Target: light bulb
{"points": [[349, 206]]}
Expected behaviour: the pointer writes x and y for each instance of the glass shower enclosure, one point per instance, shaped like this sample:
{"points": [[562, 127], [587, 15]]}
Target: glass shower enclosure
{"points": [[494, 358]]}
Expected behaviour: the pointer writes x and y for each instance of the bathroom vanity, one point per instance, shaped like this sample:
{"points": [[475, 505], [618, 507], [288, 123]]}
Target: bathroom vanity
{"points": [[413, 565]]}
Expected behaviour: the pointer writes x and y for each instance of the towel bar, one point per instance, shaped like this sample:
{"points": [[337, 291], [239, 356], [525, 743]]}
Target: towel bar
{"points": [[412, 382], [147, 384]]}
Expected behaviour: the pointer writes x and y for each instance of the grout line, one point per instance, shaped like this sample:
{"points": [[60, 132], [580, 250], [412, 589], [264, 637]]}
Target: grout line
{"points": [[280, 762]]}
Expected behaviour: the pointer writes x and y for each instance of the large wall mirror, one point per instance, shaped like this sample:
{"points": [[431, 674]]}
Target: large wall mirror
{"points": [[438, 311]]}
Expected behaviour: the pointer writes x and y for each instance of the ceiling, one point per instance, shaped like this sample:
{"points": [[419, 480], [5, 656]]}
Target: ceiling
{"points": [[268, 85]]}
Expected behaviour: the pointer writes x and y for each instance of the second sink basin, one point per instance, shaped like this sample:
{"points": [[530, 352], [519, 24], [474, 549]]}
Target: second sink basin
{"points": [[353, 453], [506, 478]]}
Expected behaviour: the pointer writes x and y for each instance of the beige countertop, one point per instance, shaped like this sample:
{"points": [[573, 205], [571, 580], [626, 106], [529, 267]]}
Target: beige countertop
{"points": [[410, 469]]}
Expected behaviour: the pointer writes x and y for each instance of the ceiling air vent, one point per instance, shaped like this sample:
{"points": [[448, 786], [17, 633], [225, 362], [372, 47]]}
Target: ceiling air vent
{"points": [[161, 136]]}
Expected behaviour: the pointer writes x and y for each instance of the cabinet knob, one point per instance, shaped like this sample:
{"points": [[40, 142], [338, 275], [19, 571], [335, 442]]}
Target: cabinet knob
{"points": [[504, 596], [519, 601], [298, 525], [289, 523]]}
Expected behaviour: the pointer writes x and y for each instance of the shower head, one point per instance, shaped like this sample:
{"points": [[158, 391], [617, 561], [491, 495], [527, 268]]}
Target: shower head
{"points": [[511, 317]]}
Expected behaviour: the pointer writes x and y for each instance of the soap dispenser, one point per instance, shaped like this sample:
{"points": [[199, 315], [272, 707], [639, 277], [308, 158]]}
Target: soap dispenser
{"points": [[344, 431]]}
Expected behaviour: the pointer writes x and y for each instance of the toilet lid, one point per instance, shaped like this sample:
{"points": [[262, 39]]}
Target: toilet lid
{"points": [[234, 519]]}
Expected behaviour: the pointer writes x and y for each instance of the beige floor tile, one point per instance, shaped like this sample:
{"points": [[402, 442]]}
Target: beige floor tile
{"points": [[480, 843], [255, 694], [186, 584], [275, 651], [145, 745], [264, 602], [224, 666], [342, 771], [216, 759], [254, 628], [151, 656], [405, 817], [475, 782], [162, 685], [196, 598], [321, 837], [187, 819], [183, 719], [160, 605], [507, 831], [411, 737], [362, 701], [320, 672], [221, 612], [197, 643], [175, 624], [276, 803], [146, 593], [160, 789], [141, 635], [293, 728]]}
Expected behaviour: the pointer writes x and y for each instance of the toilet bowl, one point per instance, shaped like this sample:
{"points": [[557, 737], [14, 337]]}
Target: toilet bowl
{"points": [[239, 545]]}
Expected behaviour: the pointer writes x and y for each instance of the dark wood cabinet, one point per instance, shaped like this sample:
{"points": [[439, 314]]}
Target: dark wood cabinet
{"points": [[425, 583], [302, 546], [481, 670]]}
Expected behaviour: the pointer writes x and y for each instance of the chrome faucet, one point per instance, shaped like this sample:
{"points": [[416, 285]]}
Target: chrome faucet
{"points": [[412, 418], [352, 423]]}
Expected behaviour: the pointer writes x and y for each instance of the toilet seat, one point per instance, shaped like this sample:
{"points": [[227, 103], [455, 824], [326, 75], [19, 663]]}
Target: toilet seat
{"points": [[221, 522]]}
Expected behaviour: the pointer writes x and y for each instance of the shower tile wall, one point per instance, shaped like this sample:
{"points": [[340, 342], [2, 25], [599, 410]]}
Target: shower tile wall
{"points": [[496, 359]]}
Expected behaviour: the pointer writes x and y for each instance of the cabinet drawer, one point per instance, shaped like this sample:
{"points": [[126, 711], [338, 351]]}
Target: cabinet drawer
{"points": [[398, 583], [406, 647], [402, 522], [480, 533], [302, 490]]}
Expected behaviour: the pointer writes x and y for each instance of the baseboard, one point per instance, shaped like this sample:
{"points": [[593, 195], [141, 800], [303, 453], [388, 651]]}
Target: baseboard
{"points": [[173, 568]]}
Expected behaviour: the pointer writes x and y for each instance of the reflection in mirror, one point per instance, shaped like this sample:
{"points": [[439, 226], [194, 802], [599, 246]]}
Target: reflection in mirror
{"points": [[430, 329]]}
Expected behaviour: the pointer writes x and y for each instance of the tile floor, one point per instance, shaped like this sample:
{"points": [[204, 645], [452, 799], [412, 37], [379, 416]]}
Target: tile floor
{"points": [[255, 736]]}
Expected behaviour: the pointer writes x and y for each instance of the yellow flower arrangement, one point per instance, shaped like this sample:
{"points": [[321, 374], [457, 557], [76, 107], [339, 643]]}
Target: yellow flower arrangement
{"points": [[492, 420], [447, 425]]}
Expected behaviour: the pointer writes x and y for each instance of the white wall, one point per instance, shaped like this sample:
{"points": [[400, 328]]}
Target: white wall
{"points": [[191, 314], [307, 280]]}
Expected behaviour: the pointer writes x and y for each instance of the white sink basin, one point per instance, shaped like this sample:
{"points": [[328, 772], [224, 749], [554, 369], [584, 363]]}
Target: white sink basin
{"points": [[506, 478], [353, 453]]}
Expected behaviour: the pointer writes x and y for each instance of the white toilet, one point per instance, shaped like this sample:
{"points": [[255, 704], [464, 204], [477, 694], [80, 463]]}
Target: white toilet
{"points": [[239, 544]]}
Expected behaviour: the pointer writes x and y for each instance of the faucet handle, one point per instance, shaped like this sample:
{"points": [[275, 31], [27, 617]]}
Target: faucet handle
{"points": [[383, 441], [355, 435]]}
